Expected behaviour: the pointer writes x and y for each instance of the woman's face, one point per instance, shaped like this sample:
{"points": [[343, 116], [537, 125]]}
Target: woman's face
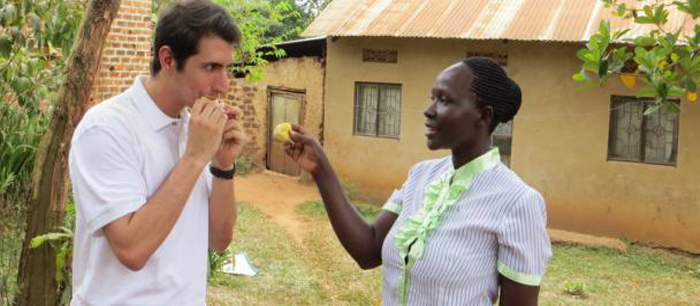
{"points": [[453, 119]]}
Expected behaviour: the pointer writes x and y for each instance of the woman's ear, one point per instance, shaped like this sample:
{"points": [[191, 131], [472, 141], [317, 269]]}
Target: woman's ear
{"points": [[487, 116]]}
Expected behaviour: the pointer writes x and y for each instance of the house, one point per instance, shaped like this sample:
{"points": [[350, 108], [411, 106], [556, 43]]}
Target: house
{"points": [[291, 90], [603, 167]]}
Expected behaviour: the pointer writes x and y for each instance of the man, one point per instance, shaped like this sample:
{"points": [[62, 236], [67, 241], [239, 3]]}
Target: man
{"points": [[152, 181]]}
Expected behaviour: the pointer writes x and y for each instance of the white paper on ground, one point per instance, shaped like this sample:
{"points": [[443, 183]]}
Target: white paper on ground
{"points": [[242, 266]]}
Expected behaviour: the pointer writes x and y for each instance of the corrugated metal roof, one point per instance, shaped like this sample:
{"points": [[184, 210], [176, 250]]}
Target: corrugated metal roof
{"points": [[545, 20]]}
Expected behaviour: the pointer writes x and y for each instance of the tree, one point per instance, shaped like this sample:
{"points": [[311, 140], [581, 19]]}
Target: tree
{"points": [[313, 7], [666, 60], [35, 38], [49, 178]]}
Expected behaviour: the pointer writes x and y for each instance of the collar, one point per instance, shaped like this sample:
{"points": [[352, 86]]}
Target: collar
{"points": [[148, 108], [466, 172]]}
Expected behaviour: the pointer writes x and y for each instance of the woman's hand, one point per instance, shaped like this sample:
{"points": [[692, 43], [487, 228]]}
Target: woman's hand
{"points": [[304, 149]]}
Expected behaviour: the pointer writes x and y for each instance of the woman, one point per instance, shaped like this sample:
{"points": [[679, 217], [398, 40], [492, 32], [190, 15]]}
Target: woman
{"points": [[461, 226]]}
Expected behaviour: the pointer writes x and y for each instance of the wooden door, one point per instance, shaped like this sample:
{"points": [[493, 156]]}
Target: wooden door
{"points": [[285, 106]]}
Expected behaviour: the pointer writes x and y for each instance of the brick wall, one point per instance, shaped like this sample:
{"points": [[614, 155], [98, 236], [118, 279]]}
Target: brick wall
{"points": [[127, 50], [242, 94]]}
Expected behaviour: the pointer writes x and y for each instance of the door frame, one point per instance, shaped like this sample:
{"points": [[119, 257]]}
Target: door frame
{"points": [[270, 129]]}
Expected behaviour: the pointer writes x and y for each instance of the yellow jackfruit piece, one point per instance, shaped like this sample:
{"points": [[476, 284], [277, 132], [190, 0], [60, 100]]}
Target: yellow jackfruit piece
{"points": [[282, 132]]}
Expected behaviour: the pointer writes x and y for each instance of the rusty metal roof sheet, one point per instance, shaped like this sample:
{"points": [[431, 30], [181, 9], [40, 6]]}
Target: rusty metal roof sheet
{"points": [[533, 20]]}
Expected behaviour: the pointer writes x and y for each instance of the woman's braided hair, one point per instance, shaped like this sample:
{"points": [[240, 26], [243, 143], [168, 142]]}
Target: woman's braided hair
{"points": [[494, 88]]}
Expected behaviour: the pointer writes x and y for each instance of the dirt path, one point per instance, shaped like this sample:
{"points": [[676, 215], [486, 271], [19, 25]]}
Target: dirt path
{"points": [[277, 196]]}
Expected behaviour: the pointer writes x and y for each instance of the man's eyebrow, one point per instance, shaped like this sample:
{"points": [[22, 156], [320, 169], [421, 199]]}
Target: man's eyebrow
{"points": [[216, 64]]}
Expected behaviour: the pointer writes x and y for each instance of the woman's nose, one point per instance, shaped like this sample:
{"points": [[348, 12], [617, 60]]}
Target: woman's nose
{"points": [[429, 112]]}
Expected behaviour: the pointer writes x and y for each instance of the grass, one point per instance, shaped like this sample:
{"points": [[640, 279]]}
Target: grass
{"points": [[11, 236], [283, 276], [10, 247], [579, 275], [319, 271], [344, 281]]}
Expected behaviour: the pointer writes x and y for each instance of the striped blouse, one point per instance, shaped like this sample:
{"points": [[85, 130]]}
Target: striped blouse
{"points": [[458, 229]]}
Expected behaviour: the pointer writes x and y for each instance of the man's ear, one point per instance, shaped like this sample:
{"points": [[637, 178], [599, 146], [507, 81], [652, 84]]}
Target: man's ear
{"points": [[167, 59]]}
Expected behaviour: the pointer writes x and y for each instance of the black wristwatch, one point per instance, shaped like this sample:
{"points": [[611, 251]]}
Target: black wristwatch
{"points": [[222, 174]]}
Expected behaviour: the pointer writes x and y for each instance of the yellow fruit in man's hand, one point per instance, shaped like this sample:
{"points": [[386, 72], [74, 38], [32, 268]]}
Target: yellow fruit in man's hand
{"points": [[692, 96], [282, 132]]}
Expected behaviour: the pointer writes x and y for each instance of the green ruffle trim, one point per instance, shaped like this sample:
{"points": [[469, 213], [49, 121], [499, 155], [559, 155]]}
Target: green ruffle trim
{"points": [[439, 196]]}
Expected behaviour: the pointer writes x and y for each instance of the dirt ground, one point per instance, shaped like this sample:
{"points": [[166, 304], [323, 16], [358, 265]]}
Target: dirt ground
{"points": [[278, 195]]}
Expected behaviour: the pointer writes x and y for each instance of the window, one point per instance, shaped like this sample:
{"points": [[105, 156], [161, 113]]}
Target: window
{"points": [[380, 56], [377, 110], [634, 137], [502, 137]]}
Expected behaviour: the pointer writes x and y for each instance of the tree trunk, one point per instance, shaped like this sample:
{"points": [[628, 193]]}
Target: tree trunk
{"points": [[37, 272]]}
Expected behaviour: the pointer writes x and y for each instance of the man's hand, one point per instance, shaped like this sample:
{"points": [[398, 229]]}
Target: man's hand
{"points": [[232, 140], [206, 125]]}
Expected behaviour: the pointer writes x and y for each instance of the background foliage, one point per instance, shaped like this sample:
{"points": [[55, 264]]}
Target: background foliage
{"points": [[666, 60]]}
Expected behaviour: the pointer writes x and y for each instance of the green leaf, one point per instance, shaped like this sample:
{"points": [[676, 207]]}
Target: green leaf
{"points": [[41, 239], [581, 77], [675, 57], [582, 54], [692, 8], [21, 85], [676, 91], [645, 41], [10, 13], [37, 241], [671, 107], [690, 84], [654, 108], [5, 46], [646, 91], [619, 34], [603, 69], [35, 22], [604, 28], [643, 20], [661, 15], [621, 9], [648, 12]]}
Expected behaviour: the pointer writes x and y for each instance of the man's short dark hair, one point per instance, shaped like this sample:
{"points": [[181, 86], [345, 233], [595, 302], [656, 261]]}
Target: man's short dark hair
{"points": [[182, 25]]}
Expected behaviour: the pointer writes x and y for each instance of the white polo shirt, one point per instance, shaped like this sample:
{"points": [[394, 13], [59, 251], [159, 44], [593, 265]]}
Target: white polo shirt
{"points": [[122, 151]]}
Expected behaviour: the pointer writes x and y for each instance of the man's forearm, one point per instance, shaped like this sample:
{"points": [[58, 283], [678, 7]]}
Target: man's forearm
{"points": [[222, 213]]}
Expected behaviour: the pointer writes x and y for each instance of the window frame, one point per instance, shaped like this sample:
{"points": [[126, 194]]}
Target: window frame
{"points": [[612, 132], [356, 104]]}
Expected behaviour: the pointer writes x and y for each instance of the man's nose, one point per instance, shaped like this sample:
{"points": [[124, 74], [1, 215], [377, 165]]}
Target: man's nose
{"points": [[221, 85]]}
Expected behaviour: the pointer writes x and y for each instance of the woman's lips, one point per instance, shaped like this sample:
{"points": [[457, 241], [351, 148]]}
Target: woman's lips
{"points": [[430, 131]]}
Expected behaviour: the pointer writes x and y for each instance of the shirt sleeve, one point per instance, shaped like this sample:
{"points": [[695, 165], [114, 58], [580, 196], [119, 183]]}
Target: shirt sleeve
{"points": [[396, 200], [107, 181], [524, 248]]}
